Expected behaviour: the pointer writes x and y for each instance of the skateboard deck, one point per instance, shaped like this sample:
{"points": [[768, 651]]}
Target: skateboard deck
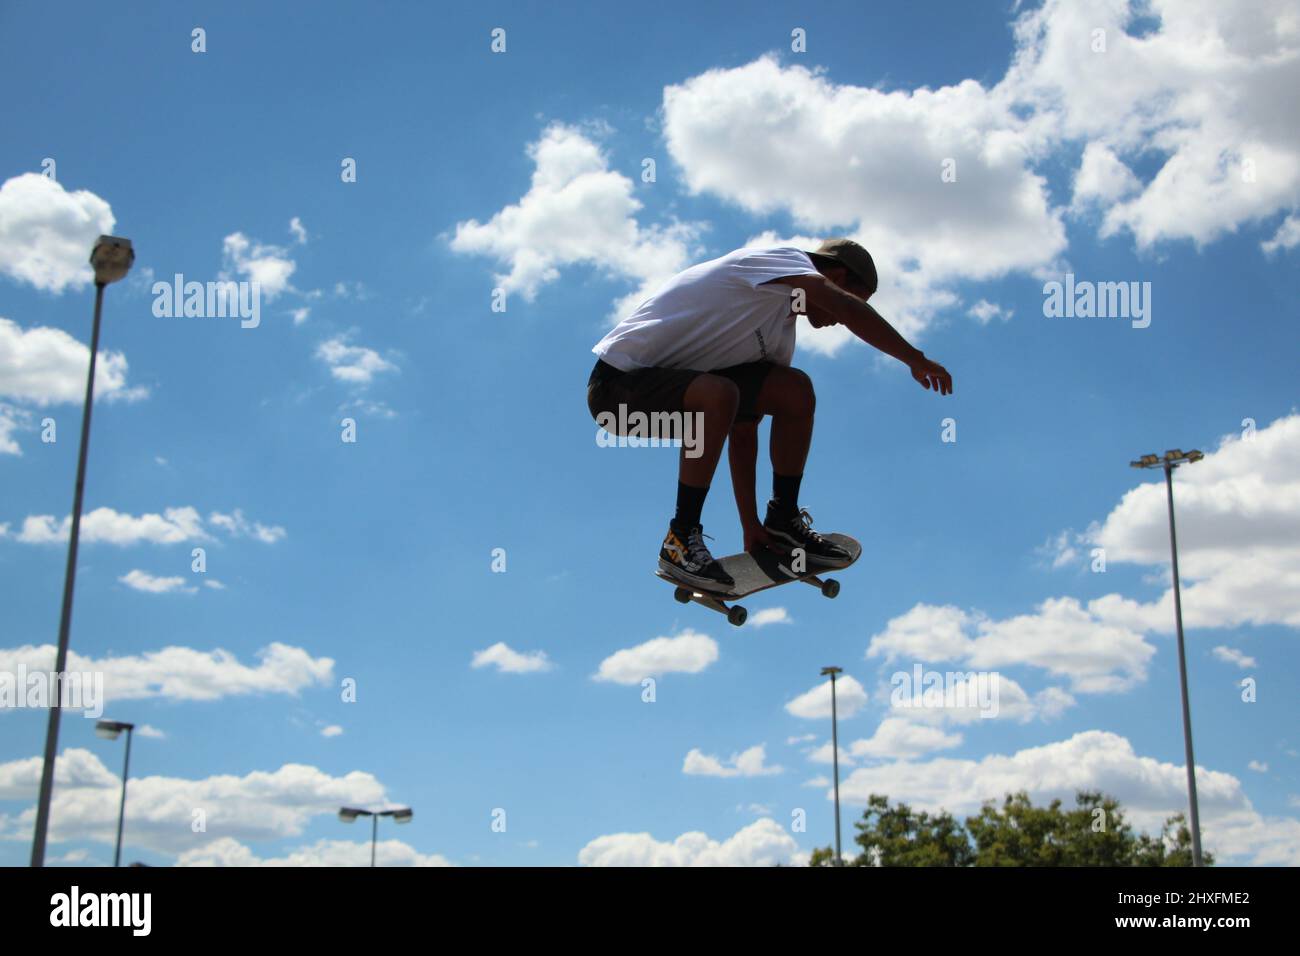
{"points": [[758, 571]]}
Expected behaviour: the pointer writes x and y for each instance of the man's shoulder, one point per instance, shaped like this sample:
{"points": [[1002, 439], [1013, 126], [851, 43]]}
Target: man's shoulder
{"points": [[758, 251]]}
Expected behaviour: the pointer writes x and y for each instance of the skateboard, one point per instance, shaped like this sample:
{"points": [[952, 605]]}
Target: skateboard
{"points": [[758, 571]]}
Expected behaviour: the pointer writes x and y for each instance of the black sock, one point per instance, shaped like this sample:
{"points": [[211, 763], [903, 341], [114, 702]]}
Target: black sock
{"points": [[785, 492], [690, 503]]}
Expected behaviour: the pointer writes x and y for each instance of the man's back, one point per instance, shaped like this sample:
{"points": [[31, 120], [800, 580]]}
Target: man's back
{"points": [[713, 315]]}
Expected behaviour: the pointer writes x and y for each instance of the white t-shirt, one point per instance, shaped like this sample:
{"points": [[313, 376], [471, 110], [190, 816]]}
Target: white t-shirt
{"points": [[713, 315]]}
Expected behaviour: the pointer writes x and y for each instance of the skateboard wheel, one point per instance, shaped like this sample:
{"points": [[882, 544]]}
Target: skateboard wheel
{"points": [[830, 587], [737, 615], [682, 596]]}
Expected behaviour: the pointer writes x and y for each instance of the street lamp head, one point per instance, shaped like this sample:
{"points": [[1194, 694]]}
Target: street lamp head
{"points": [[403, 815], [111, 259], [832, 670], [349, 814], [1174, 454], [109, 729]]}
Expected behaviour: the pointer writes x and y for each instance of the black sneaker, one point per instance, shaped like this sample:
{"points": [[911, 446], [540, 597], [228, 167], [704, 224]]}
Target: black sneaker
{"points": [[793, 529], [687, 559]]}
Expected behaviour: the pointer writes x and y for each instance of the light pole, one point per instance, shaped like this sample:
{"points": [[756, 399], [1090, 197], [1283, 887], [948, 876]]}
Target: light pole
{"points": [[835, 757], [111, 259], [1169, 462], [399, 815], [109, 730]]}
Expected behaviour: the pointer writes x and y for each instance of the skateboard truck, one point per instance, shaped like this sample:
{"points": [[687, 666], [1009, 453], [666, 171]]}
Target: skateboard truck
{"points": [[758, 571], [735, 613]]}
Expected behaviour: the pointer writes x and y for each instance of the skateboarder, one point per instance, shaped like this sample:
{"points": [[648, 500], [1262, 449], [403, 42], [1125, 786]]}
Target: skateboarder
{"points": [[716, 341]]}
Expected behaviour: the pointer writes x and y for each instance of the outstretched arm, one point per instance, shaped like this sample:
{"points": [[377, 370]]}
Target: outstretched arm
{"points": [[828, 304]]}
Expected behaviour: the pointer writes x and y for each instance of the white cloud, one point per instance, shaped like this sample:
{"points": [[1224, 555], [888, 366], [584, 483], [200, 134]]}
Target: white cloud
{"points": [[173, 526], [1149, 790], [267, 265], [1207, 93], [1238, 536], [1286, 237], [1234, 656], [333, 730], [1062, 549], [689, 653], [576, 211], [985, 312], [48, 232], [817, 782], [237, 526], [925, 633], [748, 763], [300, 315], [214, 584], [509, 661], [769, 615], [353, 364], [47, 366], [969, 697], [851, 160], [762, 843], [332, 853], [12, 419], [800, 739], [183, 673], [815, 704], [1204, 97], [365, 406], [143, 581], [827, 753], [1067, 641], [299, 231], [1257, 766], [896, 738], [145, 730], [260, 805], [1060, 637], [1102, 178], [353, 290], [73, 858], [104, 525]]}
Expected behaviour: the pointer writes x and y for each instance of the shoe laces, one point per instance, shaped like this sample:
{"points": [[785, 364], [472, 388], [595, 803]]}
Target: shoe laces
{"points": [[805, 521], [696, 549]]}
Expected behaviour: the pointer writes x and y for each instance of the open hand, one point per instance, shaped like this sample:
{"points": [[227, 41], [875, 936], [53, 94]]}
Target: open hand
{"points": [[932, 375]]}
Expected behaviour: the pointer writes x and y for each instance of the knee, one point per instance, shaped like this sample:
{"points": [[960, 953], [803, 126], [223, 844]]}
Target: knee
{"points": [[800, 396], [714, 395]]}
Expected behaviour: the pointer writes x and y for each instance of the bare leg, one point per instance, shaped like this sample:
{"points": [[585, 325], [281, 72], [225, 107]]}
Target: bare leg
{"points": [[717, 398], [787, 395]]}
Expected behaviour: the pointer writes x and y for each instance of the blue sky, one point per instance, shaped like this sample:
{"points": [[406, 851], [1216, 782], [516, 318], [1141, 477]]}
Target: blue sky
{"points": [[372, 561]]}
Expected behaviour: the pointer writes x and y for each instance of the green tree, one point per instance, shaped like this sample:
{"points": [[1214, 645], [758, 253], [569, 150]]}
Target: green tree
{"points": [[899, 836], [1021, 834], [822, 856], [1093, 833], [1172, 848]]}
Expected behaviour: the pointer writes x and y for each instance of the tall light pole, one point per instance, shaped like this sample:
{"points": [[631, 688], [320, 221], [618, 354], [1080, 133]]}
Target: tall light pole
{"points": [[1171, 460], [109, 730], [835, 757], [111, 259], [399, 815]]}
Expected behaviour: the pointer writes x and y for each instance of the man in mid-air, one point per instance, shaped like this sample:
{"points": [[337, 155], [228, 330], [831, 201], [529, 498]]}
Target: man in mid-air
{"points": [[716, 340]]}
